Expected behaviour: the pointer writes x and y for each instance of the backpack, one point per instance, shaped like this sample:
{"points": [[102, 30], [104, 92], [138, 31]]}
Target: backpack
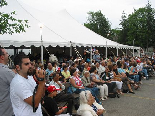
{"points": [[112, 93]]}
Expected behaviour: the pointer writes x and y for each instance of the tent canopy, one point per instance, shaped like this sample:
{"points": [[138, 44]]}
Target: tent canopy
{"points": [[59, 28]]}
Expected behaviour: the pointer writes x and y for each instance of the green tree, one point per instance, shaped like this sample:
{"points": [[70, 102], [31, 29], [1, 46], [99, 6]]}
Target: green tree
{"points": [[9, 24], [98, 23], [139, 27], [123, 33], [114, 34]]}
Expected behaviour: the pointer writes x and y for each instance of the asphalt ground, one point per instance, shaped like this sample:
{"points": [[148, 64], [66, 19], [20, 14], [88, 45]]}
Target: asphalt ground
{"points": [[142, 103]]}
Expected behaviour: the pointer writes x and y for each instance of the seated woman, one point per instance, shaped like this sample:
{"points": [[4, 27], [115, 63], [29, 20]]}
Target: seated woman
{"points": [[122, 76], [88, 106], [110, 76], [125, 71], [86, 68], [77, 85], [133, 72], [66, 73], [99, 83]]}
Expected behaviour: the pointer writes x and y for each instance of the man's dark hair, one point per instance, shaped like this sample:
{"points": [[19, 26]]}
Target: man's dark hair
{"points": [[65, 66], [18, 59], [54, 74], [1, 52], [53, 63], [119, 64], [92, 69]]}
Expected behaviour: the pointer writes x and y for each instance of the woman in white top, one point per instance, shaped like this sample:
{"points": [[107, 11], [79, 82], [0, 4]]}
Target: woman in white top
{"points": [[99, 83], [88, 105], [118, 82]]}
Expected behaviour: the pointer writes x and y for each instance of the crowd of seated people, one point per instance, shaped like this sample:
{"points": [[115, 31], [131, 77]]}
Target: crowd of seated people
{"points": [[95, 78]]}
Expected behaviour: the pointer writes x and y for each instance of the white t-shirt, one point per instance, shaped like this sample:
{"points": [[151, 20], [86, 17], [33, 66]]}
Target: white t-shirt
{"points": [[101, 69], [20, 89], [139, 67]]}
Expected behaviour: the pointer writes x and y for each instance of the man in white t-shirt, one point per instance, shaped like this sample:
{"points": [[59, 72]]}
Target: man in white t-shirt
{"points": [[22, 87]]}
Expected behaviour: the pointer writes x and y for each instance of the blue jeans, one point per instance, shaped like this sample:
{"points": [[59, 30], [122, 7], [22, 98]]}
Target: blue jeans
{"points": [[135, 77], [145, 73]]}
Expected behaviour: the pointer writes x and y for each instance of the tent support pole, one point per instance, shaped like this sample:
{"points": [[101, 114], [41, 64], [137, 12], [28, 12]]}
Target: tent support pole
{"points": [[41, 26], [106, 50], [117, 50], [15, 51], [70, 48], [133, 48], [138, 50], [133, 51], [42, 51], [91, 54]]}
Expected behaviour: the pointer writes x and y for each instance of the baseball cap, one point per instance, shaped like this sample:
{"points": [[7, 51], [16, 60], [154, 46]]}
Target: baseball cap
{"points": [[52, 88], [58, 69], [138, 61]]}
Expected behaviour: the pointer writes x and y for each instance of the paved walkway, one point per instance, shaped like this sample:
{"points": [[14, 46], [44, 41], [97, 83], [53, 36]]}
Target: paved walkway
{"points": [[140, 104]]}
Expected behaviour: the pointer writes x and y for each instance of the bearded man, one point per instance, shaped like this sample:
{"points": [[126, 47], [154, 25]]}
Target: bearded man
{"points": [[22, 89]]}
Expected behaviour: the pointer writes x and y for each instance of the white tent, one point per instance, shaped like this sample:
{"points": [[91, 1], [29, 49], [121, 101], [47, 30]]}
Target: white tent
{"points": [[59, 29], [32, 35]]}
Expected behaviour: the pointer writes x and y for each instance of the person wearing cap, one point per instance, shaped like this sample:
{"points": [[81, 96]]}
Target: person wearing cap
{"points": [[61, 77], [6, 76], [50, 104], [62, 96], [24, 101], [141, 69]]}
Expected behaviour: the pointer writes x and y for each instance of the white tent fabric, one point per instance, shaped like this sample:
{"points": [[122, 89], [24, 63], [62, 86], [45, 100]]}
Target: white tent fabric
{"points": [[32, 35], [59, 29]]}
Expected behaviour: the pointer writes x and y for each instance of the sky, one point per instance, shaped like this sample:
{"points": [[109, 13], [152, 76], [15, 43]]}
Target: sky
{"points": [[78, 9]]}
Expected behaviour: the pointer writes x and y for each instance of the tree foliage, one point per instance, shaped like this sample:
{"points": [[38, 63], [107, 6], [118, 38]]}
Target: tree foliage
{"points": [[98, 23], [114, 34], [9, 24], [139, 27]]}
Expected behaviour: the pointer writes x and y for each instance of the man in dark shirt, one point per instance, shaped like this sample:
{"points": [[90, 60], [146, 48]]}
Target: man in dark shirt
{"points": [[50, 104]]}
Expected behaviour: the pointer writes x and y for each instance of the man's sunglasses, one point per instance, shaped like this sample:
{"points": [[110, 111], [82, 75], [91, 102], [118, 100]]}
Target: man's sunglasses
{"points": [[27, 63]]}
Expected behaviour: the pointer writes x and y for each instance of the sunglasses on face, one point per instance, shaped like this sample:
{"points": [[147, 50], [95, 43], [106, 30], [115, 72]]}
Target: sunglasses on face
{"points": [[28, 63]]}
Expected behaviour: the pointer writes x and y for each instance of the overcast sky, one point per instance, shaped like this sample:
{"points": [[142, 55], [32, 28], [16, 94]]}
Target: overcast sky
{"points": [[112, 9]]}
